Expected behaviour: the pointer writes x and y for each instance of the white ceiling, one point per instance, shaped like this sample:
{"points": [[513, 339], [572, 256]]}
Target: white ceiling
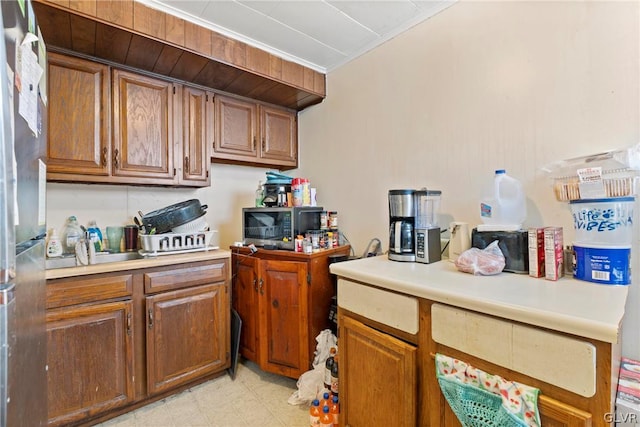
{"points": [[320, 34]]}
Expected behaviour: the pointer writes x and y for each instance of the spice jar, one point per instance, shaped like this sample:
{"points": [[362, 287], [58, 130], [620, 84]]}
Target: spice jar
{"points": [[333, 219]]}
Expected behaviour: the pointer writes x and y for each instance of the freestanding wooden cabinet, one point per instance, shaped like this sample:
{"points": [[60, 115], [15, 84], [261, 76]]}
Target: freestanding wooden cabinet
{"points": [[255, 133], [283, 299], [116, 340]]}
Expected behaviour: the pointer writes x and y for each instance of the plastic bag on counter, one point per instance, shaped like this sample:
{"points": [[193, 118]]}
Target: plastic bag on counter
{"points": [[485, 262], [311, 383]]}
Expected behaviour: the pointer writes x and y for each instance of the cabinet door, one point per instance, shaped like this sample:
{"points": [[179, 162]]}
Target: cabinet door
{"points": [[279, 135], [197, 128], [187, 335], [90, 359], [284, 317], [143, 121], [245, 302], [373, 364], [236, 129], [79, 110]]}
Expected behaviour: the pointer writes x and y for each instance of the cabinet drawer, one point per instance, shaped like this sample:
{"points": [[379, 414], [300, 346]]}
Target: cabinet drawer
{"points": [[80, 290], [185, 276], [388, 308], [557, 359]]}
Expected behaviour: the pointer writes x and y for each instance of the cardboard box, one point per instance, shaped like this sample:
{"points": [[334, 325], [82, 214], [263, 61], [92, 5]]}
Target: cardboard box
{"points": [[553, 253], [536, 252], [628, 398]]}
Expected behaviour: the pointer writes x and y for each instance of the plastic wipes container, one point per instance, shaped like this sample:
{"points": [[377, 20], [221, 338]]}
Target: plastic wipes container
{"points": [[607, 265], [603, 221]]}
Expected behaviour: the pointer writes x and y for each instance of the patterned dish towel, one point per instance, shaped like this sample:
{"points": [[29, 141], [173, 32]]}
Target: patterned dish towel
{"points": [[480, 399]]}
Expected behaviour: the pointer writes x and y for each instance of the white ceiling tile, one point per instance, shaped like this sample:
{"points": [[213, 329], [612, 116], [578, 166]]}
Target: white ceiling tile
{"points": [[321, 34], [379, 16], [319, 20]]}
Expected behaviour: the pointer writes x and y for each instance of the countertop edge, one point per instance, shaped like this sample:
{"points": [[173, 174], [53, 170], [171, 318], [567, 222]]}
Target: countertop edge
{"points": [[147, 262], [583, 324]]}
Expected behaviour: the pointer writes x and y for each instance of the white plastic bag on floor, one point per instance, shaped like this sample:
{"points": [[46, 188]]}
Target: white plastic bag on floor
{"points": [[311, 383]]}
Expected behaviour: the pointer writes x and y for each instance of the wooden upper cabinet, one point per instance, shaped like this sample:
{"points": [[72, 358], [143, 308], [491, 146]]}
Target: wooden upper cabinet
{"points": [[197, 135], [255, 133], [279, 132], [143, 115], [236, 130], [79, 111]]}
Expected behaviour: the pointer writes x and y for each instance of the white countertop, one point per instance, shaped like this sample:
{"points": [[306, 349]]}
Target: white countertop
{"points": [[567, 305], [133, 264]]}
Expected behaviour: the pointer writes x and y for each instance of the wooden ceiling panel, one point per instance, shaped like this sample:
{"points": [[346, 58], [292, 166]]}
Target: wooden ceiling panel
{"points": [[83, 35], [50, 18], [112, 43], [168, 59], [76, 33], [217, 75], [143, 53], [252, 85], [188, 67]]}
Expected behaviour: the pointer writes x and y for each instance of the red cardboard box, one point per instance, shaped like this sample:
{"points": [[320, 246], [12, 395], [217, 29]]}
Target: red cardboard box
{"points": [[553, 253], [628, 399], [536, 252]]}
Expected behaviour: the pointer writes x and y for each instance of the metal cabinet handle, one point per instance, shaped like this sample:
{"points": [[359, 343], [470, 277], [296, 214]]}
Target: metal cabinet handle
{"points": [[186, 164], [150, 318], [104, 156], [255, 285], [253, 144], [129, 324], [115, 157], [264, 145], [261, 287]]}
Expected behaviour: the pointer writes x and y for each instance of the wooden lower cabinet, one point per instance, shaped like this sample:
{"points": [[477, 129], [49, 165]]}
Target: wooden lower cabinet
{"points": [[186, 333], [283, 299], [389, 378], [90, 360], [378, 373], [116, 341]]}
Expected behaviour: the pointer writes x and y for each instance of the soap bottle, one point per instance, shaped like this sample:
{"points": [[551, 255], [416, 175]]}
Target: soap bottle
{"points": [[259, 195], [71, 235], [54, 246], [95, 235]]}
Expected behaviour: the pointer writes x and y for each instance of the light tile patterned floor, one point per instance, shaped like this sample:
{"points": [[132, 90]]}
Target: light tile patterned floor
{"points": [[253, 398]]}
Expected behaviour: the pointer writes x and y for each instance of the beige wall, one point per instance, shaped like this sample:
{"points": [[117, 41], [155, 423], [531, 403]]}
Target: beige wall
{"points": [[480, 86]]}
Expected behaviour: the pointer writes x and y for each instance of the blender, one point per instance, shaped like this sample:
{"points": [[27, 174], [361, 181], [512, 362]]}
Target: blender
{"points": [[427, 231], [401, 225]]}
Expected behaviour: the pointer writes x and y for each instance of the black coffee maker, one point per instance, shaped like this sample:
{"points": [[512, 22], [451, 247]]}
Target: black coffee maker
{"points": [[402, 225]]}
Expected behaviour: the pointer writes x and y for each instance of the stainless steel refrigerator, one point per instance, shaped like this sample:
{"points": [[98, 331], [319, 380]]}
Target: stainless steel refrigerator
{"points": [[23, 381]]}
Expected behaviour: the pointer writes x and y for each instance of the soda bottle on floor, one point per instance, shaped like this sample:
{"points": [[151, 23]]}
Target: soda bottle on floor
{"points": [[327, 368], [326, 399], [334, 376], [326, 419], [334, 410], [314, 413]]}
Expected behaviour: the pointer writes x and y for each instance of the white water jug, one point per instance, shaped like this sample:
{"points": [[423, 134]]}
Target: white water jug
{"points": [[504, 208]]}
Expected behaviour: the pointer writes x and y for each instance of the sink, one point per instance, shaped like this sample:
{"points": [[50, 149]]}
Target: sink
{"points": [[67, 261]]}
